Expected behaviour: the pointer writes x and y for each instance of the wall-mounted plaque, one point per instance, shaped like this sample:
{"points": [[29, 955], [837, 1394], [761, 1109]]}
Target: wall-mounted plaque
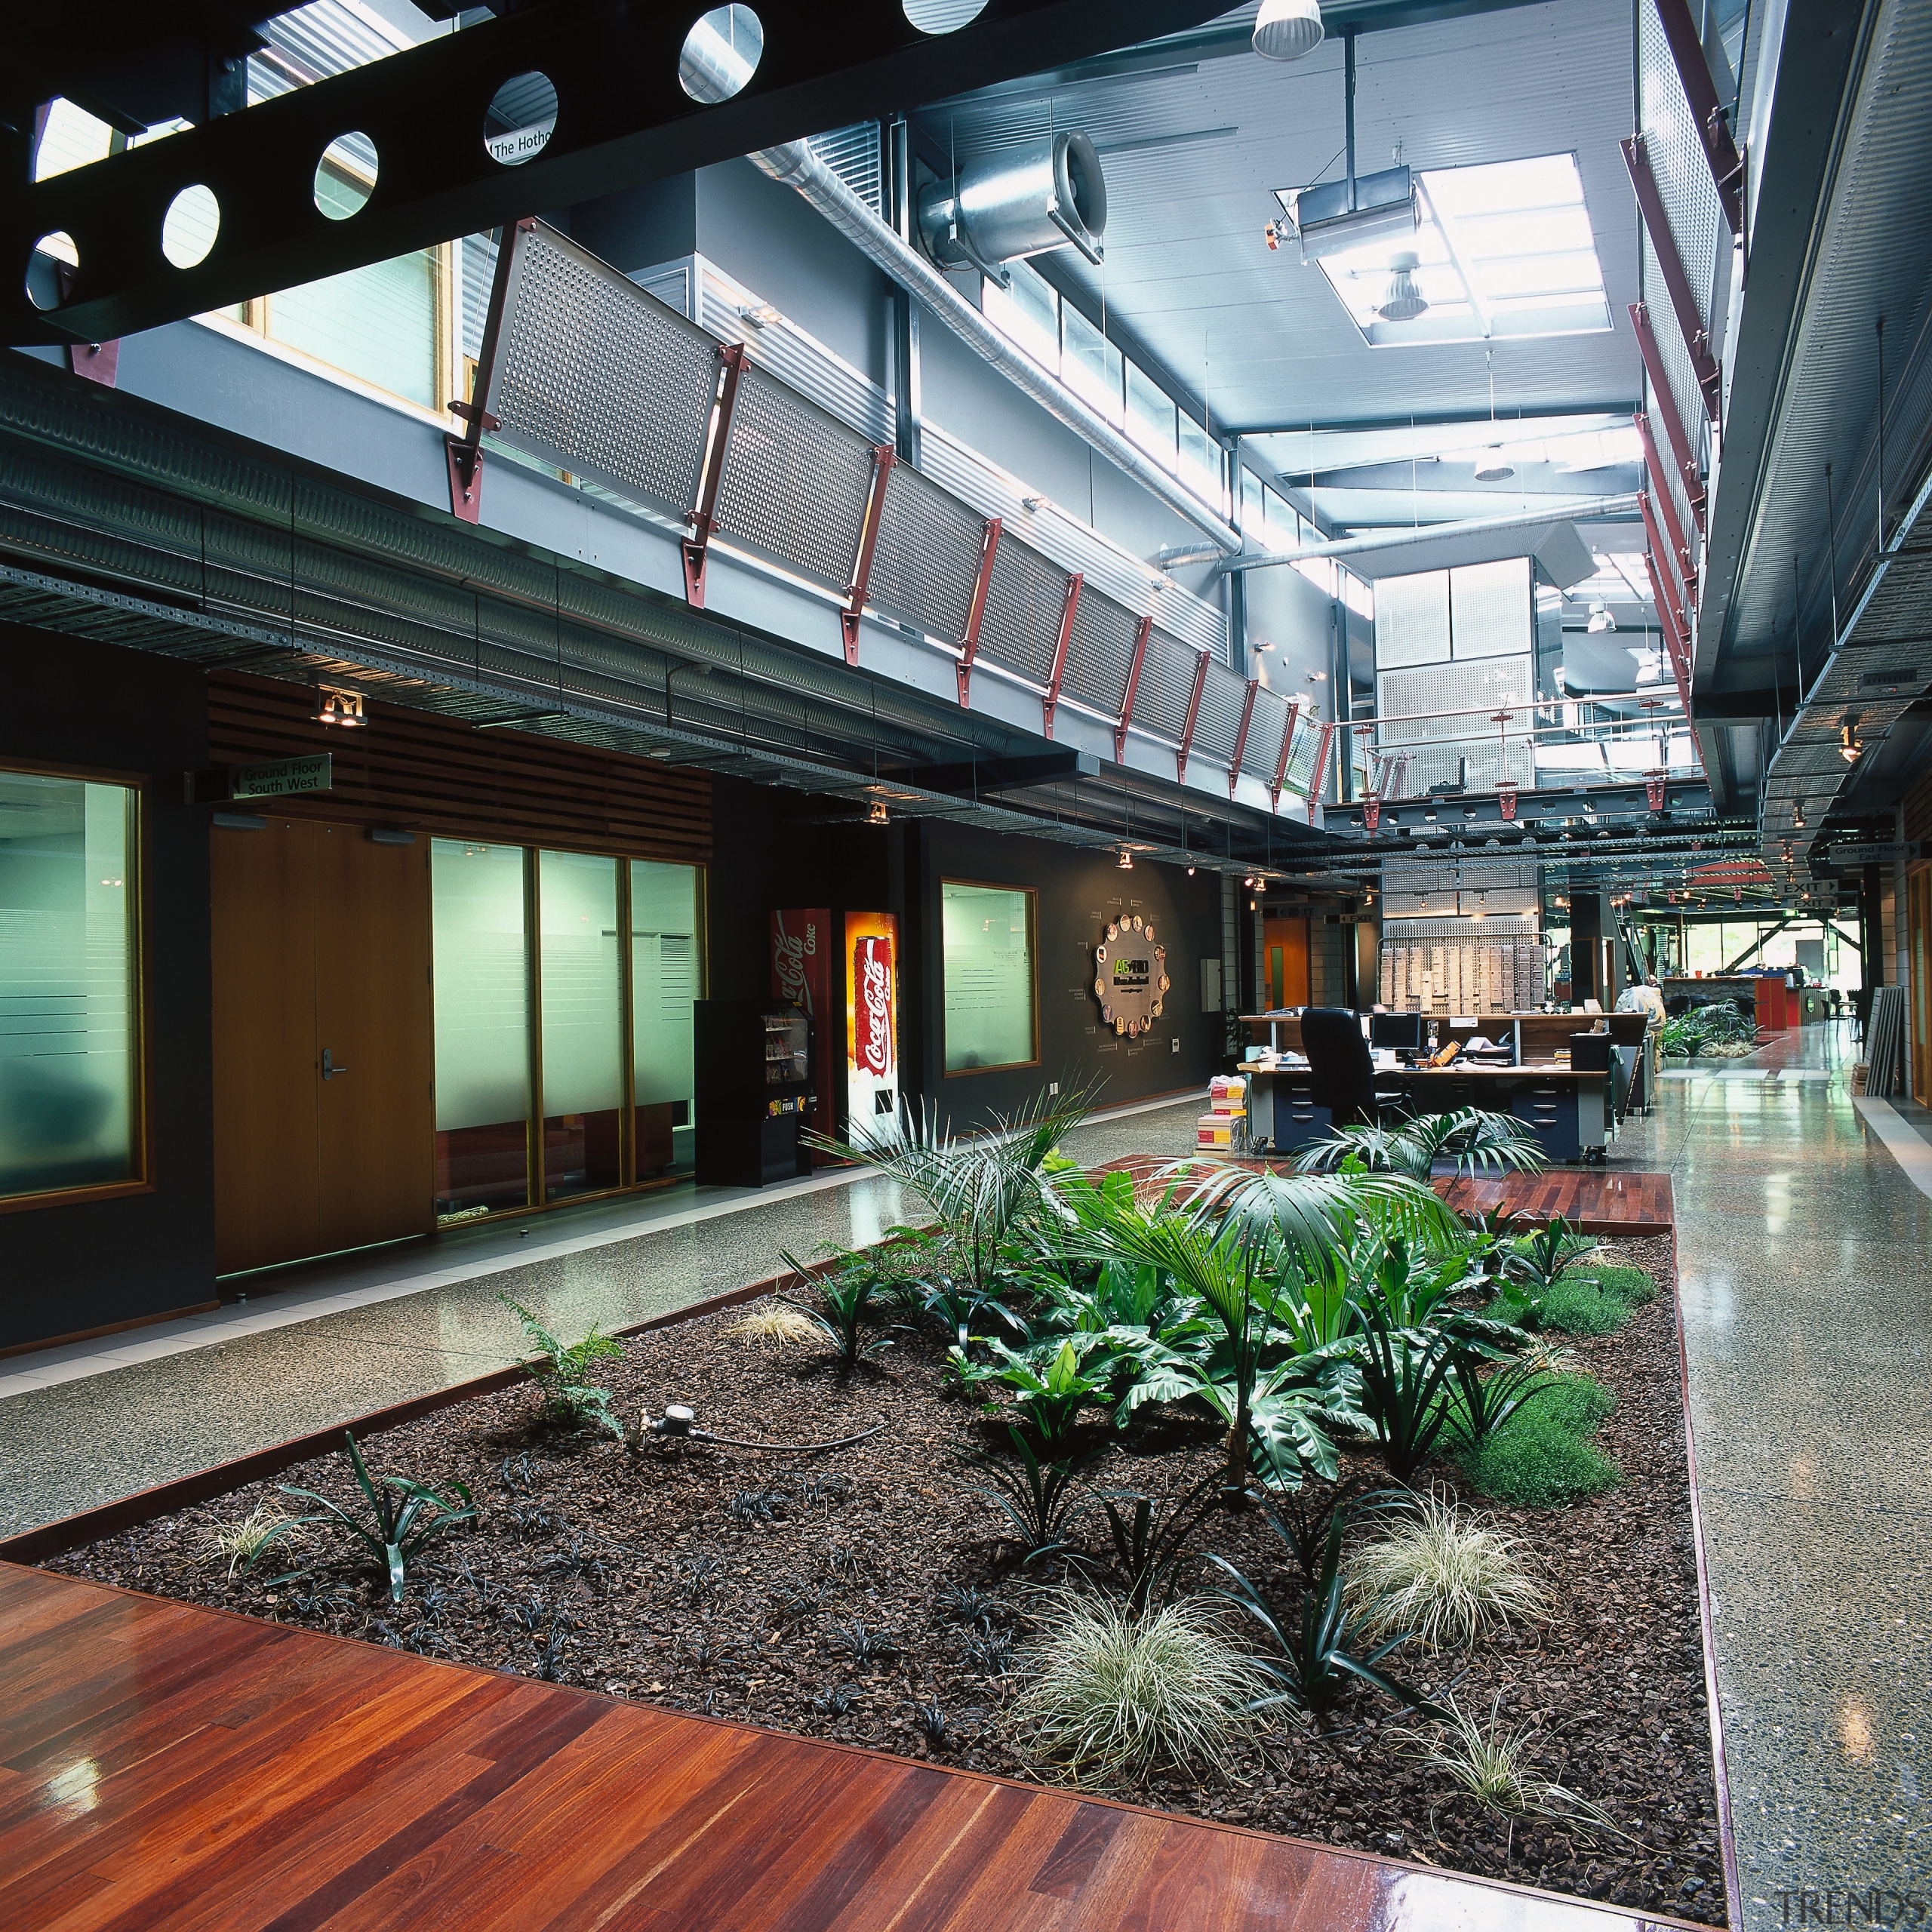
{"points": [[1130, 976]]}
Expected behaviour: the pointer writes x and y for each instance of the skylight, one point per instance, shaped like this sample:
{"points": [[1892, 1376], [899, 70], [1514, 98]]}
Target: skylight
{"points": [[1502, 250]]}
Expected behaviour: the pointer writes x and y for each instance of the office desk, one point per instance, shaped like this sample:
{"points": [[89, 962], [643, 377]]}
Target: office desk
{"points": [[1568, 1111]]}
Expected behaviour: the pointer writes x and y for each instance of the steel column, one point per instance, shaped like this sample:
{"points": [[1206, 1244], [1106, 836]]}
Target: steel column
{"points": [[1193, 713], [1287, 752], [465, 451], [1241, 737], [1665, 405], [704, 512], [884, 456], [1050, 702], [1683, 301], [976, 611], [1700, 92], [1142, 631], [1686, 560]]}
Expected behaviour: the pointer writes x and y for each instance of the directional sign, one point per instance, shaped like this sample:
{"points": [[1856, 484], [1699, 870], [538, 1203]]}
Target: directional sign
{"points": [[280, 780], [1909, 850]]}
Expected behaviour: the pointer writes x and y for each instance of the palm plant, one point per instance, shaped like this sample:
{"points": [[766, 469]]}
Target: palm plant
{"points": [[848, 1291], [1475, 1140]]}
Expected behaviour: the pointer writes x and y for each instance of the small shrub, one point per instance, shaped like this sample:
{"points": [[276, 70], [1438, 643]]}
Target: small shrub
{"points": [[929, 1720], [1541, 1455], [700, 1576], [864, 1644], [825, 1489], [1444, 1575], [1037, 1498], [240, 1544], [1575, 1305], [1112, 1694], [1623, 1279], [775, 1321], [757, 1505], [835, 1700], [393, 1535], [570, 1398], [962, 1604], [992, 1650]]}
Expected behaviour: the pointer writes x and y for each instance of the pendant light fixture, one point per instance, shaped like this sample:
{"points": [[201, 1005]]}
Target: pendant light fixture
{"points": [[1287, 29], [1402, 301]]}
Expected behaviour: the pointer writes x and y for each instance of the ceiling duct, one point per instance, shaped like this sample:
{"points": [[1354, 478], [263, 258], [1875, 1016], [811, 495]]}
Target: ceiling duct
{"points": [[1024, 201], [1333, 215]]}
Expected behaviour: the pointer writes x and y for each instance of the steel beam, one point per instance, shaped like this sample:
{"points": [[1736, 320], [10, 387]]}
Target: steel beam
{"points": [[884, 455], [1665, 404], [1241, 737], [1683, 588], [1057, 670], [1700, 92], [1281, 760], [465, 451], [622, 117], [1193, 713], [1142, 631], [1320, 767], [704, 512], [1676, 283], [976, 611]]}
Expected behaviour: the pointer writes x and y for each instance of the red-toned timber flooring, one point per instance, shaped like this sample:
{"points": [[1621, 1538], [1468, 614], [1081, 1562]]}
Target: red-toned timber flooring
{"points": [[166, 1766], [1597, 1202]]}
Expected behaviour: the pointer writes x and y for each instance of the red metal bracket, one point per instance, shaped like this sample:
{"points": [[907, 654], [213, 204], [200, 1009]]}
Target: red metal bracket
{"points": [[1696, 338], [976, 610], [704, 512], [1700, 92], [884, 456], [1241, 737], [1677, 643], [1320, 767], [1142, 631], [1666, 406], [1051, 702], [1505, 801], [1683, 588], [1287, 752], [1687, 566], [465, 453], [98, 361], [1371, 810], [1193, 713]]}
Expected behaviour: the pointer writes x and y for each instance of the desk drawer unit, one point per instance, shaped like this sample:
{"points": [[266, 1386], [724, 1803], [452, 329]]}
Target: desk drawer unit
{"points": [[1297, 1119], [1549, 1109]]}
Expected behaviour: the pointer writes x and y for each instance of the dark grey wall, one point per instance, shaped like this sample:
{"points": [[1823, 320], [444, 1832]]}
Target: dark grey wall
{"points": [[92, 1266], [1078, 894]]}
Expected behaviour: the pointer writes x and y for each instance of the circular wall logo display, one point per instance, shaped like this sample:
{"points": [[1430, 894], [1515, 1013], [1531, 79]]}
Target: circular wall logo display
{"points": [[1130, 976]]}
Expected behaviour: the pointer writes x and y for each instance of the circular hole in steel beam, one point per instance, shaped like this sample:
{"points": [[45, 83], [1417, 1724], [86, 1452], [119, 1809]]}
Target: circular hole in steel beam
{"points": [[721, 54], [188, 229], [345, 176], [938, 17], [46, 284], [522, 117]]}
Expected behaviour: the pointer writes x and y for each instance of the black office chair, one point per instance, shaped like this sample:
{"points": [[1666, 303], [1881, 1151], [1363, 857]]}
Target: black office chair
{"points": [[1341, 1070]]}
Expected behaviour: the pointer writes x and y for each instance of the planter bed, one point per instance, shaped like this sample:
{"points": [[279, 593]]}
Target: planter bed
{"points": [[647, 1574]]}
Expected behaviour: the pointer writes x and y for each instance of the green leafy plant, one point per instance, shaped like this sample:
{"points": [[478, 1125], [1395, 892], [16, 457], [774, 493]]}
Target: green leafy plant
{"points": [[848, 1291], [1150, 1541], [1405, 1376], [1542, 1455], [1112, 1694], [1312, 1663], [1716, 1029], [1475, 1141], [1039, 1498], [405, 1516], [1480, 1399], [242, 1544], [570, 1397], [1049, 1393], [1445, 1574]]}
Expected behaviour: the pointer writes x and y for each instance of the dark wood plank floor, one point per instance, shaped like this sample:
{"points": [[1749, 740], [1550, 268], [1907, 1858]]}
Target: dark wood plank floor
{"points": [[1599, 1201], [164, 1767]]}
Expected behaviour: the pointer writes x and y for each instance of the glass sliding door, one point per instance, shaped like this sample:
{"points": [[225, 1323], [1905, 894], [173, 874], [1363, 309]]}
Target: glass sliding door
{"points": [[69, 1085], [479, 936], [582, 1056], [667, 978]]}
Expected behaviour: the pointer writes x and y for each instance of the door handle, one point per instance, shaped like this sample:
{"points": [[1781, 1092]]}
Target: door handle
{"points": [[330, 1069]]}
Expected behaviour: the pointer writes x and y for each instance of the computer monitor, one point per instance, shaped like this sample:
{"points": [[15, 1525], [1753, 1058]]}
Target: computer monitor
{"points": [[1398, 1032]]}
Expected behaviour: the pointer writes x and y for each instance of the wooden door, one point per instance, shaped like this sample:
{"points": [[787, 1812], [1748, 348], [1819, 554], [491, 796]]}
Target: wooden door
{"points": [[376, 1118], [1286, 941], [263, 889], [321, 943]]}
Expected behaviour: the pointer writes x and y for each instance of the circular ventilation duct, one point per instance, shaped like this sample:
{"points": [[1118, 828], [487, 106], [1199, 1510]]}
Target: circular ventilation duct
{"points": [[1024, 201], [1287, 29], [1401, 301]]}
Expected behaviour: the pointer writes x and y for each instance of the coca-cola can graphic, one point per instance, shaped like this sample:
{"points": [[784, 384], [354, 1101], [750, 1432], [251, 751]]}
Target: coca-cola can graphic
{"points": [[872, 1014]]}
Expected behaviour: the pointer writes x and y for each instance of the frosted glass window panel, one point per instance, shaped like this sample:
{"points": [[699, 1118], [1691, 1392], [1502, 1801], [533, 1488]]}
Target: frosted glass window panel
{"points": [[68, 965], [1150, 416], [481, 956], [582, 1013], [988, 947], [1090, 365], [667, 979]]}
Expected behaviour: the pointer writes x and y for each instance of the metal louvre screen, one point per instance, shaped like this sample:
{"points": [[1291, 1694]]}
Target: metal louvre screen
{"points": [[1025, 603], [1223, 697], [795, 482], [1099, 652], [1167, 683], [1264, 735], [598, 378], [927, 558]]}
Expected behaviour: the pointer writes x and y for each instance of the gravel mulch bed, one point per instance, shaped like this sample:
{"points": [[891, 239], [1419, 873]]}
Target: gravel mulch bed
{"points": [[742, 1585]]}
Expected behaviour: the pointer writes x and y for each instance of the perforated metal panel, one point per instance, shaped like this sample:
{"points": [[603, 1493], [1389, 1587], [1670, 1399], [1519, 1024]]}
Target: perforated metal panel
{"points": [[1223, 697], [1100, 652], [598, 378], [1264, 735], [1167, 683], [1491, 613], [1412, 619], [1469, 751], [1025, 604], [795, 483], [927, 558]]}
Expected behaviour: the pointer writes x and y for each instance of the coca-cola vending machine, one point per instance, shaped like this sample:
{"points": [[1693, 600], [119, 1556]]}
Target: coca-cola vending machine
{"points": [[872, 1019], [802, 951]]}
